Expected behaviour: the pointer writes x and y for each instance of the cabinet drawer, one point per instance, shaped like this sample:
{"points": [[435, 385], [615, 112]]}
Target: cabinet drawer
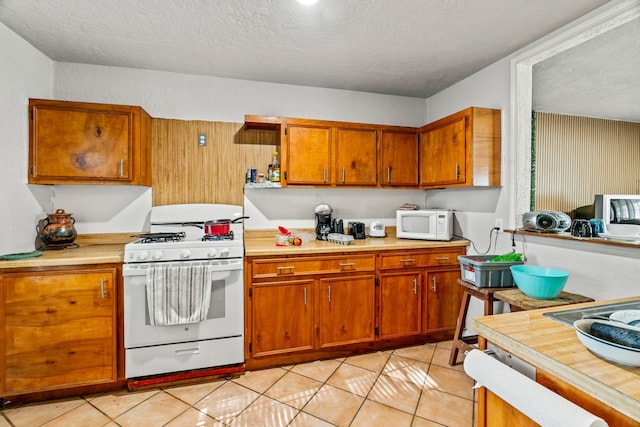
{"points": [[418, 259], [444, 258], [404, 260], [263, 268]]}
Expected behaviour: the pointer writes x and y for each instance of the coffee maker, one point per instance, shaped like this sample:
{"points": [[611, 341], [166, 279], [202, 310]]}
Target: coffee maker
{"points": [[323, 221]]}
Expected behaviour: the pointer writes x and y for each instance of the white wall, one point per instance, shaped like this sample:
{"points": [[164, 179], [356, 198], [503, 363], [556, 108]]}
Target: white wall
{"points": [[592, 272], [476, 209], [189, 97], [25, 73]]}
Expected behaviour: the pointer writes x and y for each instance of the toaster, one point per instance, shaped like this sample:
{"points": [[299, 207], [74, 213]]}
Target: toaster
{"points": [[356, 229], [376, 229]]}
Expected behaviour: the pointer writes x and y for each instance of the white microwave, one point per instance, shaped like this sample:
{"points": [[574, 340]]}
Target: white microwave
{"points": [[424, 224]]}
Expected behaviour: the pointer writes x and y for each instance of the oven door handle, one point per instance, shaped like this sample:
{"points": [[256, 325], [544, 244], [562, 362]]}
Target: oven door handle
{"points": [[140, 269], [187, 351]]}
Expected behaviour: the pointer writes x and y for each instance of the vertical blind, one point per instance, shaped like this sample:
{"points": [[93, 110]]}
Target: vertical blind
{"points": [[578, 157]]}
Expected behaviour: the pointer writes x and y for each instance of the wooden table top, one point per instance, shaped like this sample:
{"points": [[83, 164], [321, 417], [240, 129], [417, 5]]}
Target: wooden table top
{"points": [[516, 298]]}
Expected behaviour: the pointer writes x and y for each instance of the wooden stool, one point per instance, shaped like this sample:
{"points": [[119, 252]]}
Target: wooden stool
{"points": [[469, 290], [519, 302]]}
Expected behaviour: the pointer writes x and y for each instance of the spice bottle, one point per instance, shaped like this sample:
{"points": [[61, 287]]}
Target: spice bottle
{"points": [[275, 167]]}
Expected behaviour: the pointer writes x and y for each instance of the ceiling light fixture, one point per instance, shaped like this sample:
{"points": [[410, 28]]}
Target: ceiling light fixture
{"points": [[307, 2]]}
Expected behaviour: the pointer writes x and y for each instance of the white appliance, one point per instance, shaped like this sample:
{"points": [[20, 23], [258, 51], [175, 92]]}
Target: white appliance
{"points": [[176, 240], [424, 224], [377, 229]]}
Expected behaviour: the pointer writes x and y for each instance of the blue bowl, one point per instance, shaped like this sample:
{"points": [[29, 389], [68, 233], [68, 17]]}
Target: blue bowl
{"points": [[539, 282]]}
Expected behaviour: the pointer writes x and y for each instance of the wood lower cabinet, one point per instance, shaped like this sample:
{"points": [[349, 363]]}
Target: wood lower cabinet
{"points": [[87, 143], [419, 293], [298, 307], [442, 295], [282, 331], [400, 308], [59, 328], [308, 307], [346, 308]]}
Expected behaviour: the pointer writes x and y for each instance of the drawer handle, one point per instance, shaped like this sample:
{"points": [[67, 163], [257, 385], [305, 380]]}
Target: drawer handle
{"points": [[187, 351], [408, 260], [286, 267], [347, 264], [442, 258]]}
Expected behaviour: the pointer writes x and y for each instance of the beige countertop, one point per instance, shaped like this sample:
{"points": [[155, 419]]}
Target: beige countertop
{"points": [[92, 249], [554, 348], [109, 248], [261, 246]]}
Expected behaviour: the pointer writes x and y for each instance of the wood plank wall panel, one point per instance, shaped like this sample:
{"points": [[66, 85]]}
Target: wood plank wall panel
{"points": [[184, 172], [578, 157]]}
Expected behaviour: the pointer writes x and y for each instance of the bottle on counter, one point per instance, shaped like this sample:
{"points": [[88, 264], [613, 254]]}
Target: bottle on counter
{"points": [[275, 167]]}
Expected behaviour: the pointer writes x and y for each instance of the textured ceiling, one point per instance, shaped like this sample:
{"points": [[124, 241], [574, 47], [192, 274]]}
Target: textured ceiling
{"points": [[401, 47], [598, 78]]}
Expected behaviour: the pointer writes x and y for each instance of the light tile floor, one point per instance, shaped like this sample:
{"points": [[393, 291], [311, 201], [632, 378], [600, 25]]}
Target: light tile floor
{"points": [[413, 386]]}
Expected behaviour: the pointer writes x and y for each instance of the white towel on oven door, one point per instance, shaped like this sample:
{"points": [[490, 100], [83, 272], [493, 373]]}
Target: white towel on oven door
{"points": [[178, 294]]}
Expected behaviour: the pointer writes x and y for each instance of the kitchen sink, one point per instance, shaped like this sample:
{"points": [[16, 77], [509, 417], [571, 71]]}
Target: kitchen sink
{"points": [[569, 316]]}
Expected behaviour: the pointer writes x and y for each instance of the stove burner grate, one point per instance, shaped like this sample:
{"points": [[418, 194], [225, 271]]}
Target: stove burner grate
{"points": [[160, 237], [211, 238]]}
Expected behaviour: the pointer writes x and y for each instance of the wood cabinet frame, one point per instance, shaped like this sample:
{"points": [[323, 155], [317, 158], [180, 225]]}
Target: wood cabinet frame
{"points": [[114, 380], [73, 143], [380, 269]]}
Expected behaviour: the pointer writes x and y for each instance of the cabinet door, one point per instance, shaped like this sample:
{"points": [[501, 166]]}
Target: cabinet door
{"points": [[80, 144], [356, 157], [308, 155], [346, 310], [443, 295], [400, 304], [59, 329], [443, 154], [282, 317], [399, 159]]}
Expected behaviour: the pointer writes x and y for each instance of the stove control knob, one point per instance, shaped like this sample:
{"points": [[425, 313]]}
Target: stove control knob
{"points": [[185, 253], [156, 254], [142, 255], [211, 253]]}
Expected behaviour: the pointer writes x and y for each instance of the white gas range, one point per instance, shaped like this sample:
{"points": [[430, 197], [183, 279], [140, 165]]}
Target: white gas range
{"points": [[183, 292]]}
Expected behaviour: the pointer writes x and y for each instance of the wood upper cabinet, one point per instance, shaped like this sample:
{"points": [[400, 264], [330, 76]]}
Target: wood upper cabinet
{"points": [[346, 310], [398, 158], [442, 296], [59, 329], [86, 143], [356, 156], [285, 330], [307, 153], [334, 154], [461, 150]]}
